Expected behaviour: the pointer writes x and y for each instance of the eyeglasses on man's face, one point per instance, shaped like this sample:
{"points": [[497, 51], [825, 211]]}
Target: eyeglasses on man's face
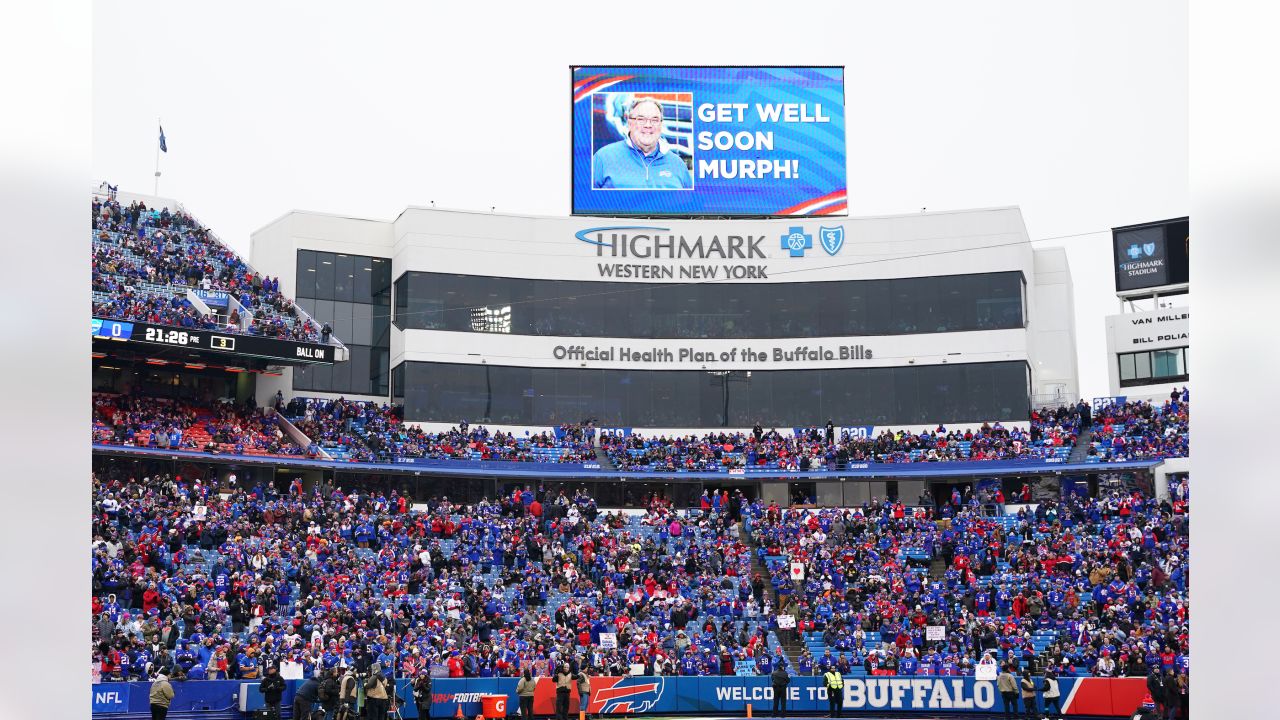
{"points": [[641, 120]]}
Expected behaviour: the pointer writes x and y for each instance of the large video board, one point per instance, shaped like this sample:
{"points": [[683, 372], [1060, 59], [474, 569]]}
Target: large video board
{"points": [[1152, 255], [696, 141]]}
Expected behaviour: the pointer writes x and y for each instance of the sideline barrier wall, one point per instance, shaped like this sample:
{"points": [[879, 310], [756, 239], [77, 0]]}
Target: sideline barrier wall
{"points": [[729, 694], [210, 698], [1117, 697]]}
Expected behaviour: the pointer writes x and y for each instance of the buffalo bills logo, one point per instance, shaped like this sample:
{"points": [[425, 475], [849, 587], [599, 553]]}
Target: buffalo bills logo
{"points": [[625, 694]]}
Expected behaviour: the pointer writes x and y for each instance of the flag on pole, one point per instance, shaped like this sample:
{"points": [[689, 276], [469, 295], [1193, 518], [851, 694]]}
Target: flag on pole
{"points": [[163, 147]]}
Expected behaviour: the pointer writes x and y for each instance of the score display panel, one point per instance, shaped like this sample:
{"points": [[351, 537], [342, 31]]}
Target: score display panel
{"points": [[212, 341], [718, 141]]}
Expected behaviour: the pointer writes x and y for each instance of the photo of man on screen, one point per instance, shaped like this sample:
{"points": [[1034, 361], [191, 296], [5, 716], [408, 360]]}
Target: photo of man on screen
{"points": [[643, 159]]}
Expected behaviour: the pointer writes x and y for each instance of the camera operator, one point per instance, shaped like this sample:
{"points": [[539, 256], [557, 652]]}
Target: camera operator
{"points": [[348, 689], [376, 693]]}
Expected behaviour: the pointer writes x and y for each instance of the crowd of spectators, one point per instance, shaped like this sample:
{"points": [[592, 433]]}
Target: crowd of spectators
{"points": [[1052, 433], [1141, 430], [211, 582], [365, 431], [144, 261], [217, 582], [218, 428], [1081, 587], [362, 431]]}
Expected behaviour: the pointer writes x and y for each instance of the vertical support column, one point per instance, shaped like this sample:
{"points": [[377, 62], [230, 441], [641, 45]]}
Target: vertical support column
{"points": [[1161, 481]]}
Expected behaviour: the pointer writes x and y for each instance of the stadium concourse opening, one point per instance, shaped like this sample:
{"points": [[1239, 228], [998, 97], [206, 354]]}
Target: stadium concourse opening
{"points": [[925, 533]]}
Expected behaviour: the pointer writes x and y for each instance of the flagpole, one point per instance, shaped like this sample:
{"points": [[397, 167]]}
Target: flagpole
{"points": [[156, 191]]}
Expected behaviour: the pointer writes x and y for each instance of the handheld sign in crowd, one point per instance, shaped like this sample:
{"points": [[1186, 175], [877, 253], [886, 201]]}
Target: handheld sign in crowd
{"points": [[987, 671], [608, 641], [199, 512], [935, 632], [744, 667], [797, 571], [786, 621]]}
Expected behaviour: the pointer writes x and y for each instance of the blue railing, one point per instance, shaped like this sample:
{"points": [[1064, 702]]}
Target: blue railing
{"points": [[440, 466]]}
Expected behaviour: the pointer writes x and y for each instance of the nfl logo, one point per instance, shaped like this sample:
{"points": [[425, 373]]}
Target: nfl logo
{"points": [[832, 238]]}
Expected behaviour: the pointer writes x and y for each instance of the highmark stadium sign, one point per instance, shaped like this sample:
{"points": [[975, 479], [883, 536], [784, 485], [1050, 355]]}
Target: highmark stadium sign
{"points": [[657, 253]]}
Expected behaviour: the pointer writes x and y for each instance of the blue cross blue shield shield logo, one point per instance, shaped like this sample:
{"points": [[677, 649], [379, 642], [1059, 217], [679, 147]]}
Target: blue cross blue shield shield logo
{"points": [[832, 238], [1149, 249]]}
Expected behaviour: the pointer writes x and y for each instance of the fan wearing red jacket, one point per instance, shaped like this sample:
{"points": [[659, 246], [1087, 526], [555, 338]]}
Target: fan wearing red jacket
{"points": [[456, 666], [1020, 605], [150, 599]]}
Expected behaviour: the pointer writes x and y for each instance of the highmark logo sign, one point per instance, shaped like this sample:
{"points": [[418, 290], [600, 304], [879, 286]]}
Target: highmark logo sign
{"points": [[656, 253], [1139, 259]]}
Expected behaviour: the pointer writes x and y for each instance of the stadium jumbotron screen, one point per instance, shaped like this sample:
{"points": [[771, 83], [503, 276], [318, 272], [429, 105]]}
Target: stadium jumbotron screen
{"points": [[688, 141], [1152, 255]]}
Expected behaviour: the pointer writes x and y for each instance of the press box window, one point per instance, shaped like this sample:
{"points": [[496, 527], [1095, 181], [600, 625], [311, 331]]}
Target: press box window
{"points": [[1154, 366], [491, 319], [949, 303]]}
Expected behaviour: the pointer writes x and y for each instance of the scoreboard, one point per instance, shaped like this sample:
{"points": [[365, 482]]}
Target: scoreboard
{"points": [[213, 341]]}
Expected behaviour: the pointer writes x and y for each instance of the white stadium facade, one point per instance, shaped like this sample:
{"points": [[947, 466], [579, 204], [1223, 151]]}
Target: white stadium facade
{"points": [[529, 322], [675, 326]]}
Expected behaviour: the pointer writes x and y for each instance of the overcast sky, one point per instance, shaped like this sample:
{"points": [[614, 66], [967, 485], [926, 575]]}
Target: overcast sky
{"points": [[1076, 112]]}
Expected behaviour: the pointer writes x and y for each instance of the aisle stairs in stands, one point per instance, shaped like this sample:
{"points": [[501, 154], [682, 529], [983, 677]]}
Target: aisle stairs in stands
{"points": [[792, 644], [602, 457], [1080, 453]]}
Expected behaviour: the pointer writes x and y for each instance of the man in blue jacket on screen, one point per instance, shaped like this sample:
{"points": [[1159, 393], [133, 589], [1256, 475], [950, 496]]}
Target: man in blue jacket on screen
{"points": [[642, 160]]}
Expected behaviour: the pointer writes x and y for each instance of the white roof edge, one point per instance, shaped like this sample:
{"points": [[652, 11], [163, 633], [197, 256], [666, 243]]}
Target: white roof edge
{"points": [[338, 216], [532, 216]]}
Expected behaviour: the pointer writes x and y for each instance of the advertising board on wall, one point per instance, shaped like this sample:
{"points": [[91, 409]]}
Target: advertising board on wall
{"points": [[635, 695], [753, 251], [684, 141], [1167, 327]]}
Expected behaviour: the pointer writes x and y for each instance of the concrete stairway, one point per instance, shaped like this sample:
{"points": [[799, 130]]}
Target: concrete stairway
{"points": [[1081, 450]]}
